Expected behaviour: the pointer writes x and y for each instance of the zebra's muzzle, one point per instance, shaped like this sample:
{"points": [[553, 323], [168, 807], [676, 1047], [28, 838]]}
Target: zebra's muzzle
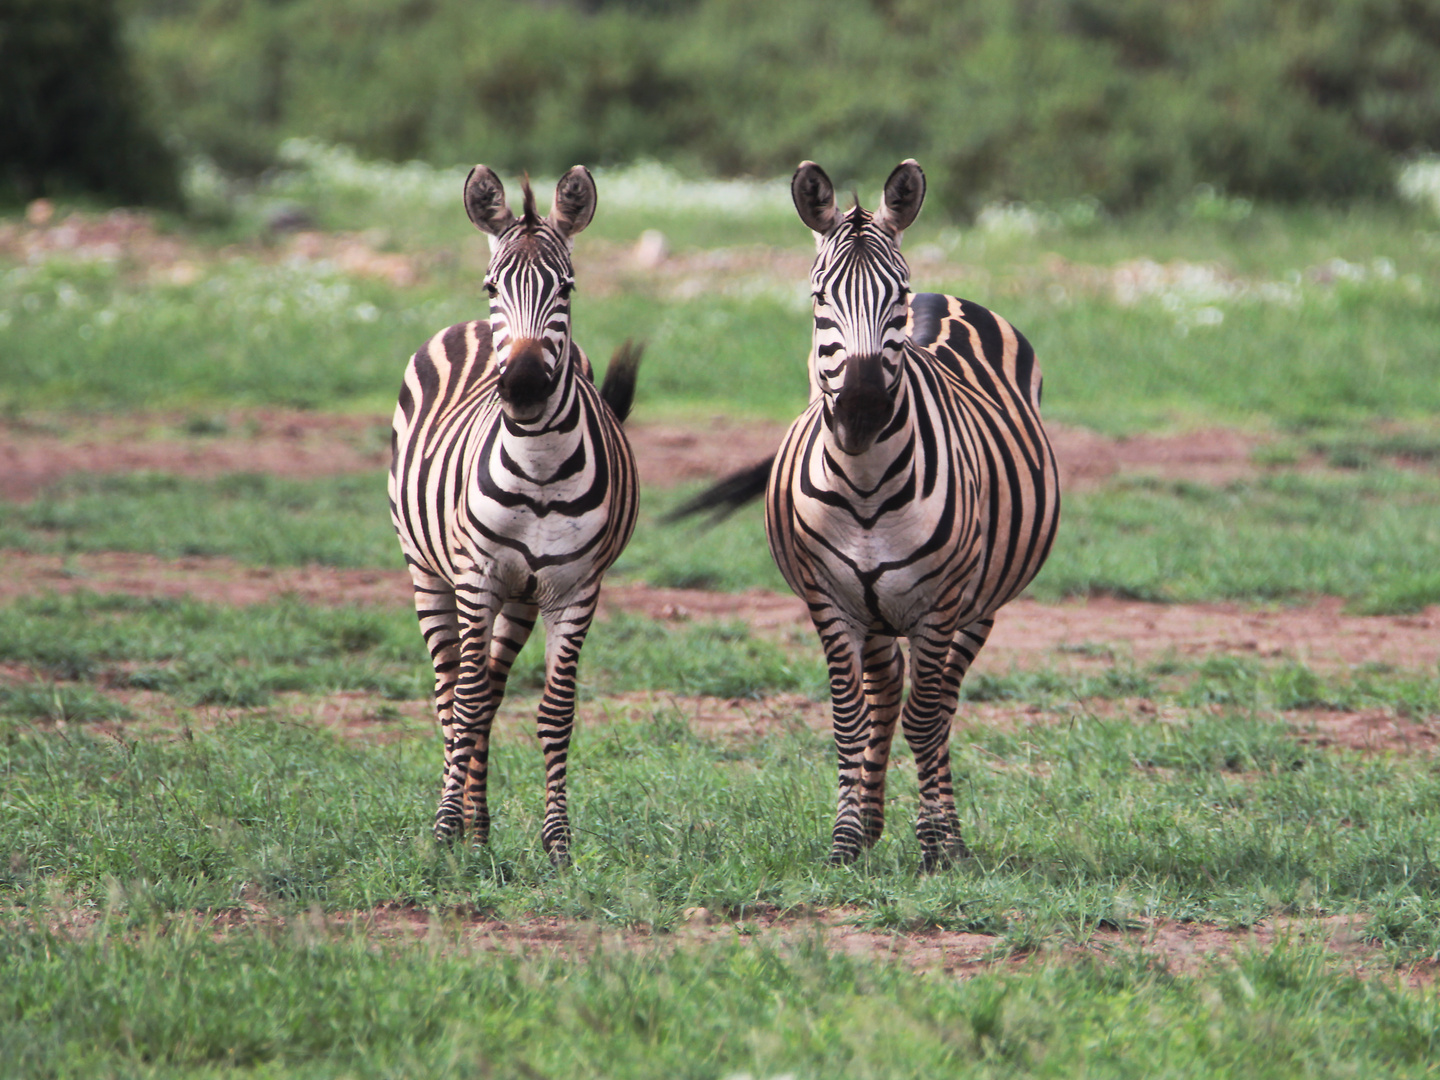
{"points": [[864, 405], [525, 384]]}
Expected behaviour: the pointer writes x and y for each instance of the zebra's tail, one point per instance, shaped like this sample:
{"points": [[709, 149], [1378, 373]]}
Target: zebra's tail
{"points": [[725, 496], [618, 389]]}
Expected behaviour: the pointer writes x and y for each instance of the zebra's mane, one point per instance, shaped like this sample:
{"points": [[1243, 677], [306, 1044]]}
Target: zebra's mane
{"points": [[529, 218]]}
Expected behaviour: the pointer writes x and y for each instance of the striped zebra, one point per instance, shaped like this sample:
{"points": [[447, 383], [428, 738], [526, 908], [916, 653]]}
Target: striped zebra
{"points": [[512, 489], [915, 496]]}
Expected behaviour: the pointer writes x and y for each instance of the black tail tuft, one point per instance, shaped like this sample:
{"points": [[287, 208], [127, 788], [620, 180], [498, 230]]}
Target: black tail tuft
{"points": [[726, 496], [618, 389]]}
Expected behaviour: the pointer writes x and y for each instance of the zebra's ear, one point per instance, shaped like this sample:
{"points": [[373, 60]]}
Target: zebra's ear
{"points": [[814, 197], [575, 199], [904, 192], [485, 201]]}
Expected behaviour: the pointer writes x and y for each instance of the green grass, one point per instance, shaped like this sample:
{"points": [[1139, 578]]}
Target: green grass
{"points": [[1362, 534], [88, 337], [1297, 342], [203, 654], [1213, 812], [256, 518], [305, 1002], [1368, 536], [1214, 816]]}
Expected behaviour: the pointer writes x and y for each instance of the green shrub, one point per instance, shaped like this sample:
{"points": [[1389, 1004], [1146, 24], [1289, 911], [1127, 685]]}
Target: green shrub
{"points": [[70, 115], [1051, 100]]}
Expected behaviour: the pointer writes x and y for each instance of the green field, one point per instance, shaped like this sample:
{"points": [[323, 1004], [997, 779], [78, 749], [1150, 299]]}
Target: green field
{"points": [[197, 865]]}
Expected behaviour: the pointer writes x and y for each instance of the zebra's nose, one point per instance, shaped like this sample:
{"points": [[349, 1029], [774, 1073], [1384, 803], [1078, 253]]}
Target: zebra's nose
{"points": [[863, 406], [525, 384]]}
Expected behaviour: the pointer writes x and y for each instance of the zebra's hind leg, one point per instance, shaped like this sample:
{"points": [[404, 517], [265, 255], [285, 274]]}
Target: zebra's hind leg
{"points": [[565, 631], [938, 667], [884, 675], [439, 626]]}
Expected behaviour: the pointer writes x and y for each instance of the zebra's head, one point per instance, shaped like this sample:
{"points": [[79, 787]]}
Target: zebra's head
{"points": [[861, 287], [529, 281]]}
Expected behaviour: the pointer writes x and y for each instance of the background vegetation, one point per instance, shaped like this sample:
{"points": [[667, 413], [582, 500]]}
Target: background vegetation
{"points": [[1124, 102], [72, 114], [1041, 100]]}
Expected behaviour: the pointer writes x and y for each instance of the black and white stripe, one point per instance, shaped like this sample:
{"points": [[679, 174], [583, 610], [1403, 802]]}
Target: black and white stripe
{"points": [[915, 496], [512, 489]]}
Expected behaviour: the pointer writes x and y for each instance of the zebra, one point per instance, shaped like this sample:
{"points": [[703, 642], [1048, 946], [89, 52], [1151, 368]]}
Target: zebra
{"points": [[915, 495], [512, 490]]}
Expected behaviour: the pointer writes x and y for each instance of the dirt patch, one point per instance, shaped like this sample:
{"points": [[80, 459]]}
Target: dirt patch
{"points": [[1088, 459], [1188, 949], [1371, 732], [35, 454], [1318, 634], [1078, 635], [209, 580], [39, 451], [130, 240]]}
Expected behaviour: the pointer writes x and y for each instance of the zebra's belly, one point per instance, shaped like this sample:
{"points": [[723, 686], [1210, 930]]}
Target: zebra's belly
{"points": [[536, 543]]}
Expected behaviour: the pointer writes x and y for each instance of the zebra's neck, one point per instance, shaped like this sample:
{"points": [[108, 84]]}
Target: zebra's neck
{"points": [[888, 462]]}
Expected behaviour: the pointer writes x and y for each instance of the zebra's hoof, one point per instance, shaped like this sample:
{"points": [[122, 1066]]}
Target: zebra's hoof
{"points": [[448, 827], [943, 856], [556, 842]]}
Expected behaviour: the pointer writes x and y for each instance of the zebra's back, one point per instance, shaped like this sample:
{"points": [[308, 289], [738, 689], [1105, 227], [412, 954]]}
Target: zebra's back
{"points": [[997, 384]]}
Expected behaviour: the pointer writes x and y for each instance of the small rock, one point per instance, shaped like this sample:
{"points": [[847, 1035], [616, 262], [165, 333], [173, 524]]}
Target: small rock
{"points": [[651, 249]]}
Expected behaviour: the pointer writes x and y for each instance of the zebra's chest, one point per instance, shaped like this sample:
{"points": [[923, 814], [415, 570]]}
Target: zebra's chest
{"points": [[885, 556], [529, 506]]}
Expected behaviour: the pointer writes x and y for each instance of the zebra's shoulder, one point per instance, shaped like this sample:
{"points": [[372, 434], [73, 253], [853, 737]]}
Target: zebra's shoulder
{"points": [[455, 359], [581, 360], [961, 334]]}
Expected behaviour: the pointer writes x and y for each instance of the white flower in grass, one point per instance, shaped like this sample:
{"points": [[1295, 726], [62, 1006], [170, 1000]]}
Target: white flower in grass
{"points": [[1419, 182]]}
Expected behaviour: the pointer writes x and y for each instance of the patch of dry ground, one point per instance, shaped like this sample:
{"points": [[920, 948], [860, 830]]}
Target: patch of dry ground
{"points": [[1179, 948], [36, 452], [1078, 634]]}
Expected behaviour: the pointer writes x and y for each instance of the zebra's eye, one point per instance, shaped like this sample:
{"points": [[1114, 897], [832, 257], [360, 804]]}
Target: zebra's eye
{"points": [[491, 289], [566, 289], [819, 295]]}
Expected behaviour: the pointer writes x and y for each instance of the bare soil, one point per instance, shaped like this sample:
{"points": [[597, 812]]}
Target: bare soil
{"points": [[1178, 948], [37, 452], [1079, 635]]}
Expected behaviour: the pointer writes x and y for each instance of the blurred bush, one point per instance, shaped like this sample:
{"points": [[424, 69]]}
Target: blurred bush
{"points": [[1040, 100], [70, 114]]}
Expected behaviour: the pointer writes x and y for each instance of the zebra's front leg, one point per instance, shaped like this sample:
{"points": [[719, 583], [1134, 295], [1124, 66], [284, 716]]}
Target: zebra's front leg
{"points": [[467, 772], [884, 674], [512, 630], [926, 719], [565, 632], [435, 609], [843, 644]]}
